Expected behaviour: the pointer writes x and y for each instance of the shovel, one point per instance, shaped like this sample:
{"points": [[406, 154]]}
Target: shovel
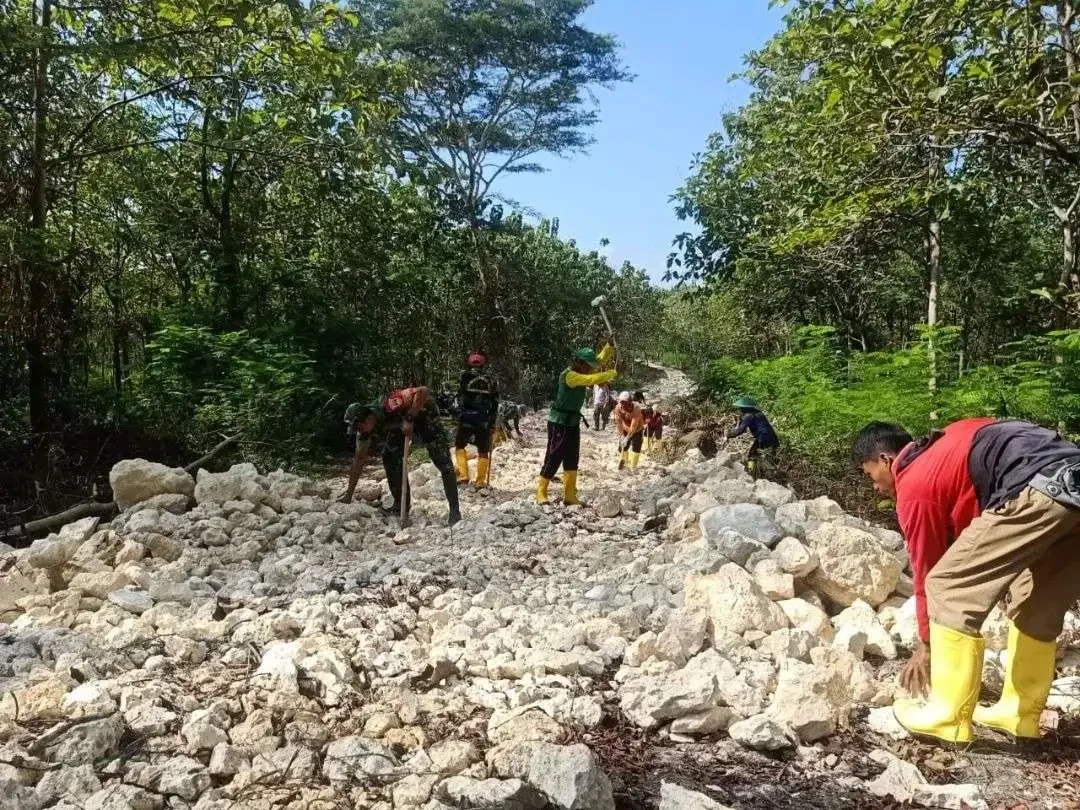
{"points": [[405, 482]]}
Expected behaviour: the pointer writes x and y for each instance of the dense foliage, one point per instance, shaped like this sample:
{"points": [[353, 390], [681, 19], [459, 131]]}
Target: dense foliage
{"points": [[221, 215], [906, 174], [887, 228]]}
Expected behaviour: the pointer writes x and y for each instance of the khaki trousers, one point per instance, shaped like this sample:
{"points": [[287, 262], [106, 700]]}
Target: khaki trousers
{"points": [[1029, 547]]}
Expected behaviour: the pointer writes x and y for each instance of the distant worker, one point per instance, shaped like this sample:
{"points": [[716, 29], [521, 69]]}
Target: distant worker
{"points": [[565, 417], [478, 400], [509, 419], [753, 420], [630, 425], [382, 428], [986, 508], [601, 406], [654, 427]]}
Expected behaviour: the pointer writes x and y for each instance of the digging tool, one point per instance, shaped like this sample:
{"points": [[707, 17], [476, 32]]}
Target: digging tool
{"points": [[623, 446], [405, 482]]}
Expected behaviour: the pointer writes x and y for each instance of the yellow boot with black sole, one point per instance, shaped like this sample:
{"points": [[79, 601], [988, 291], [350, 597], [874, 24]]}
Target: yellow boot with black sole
{"points": [[956, 661]]}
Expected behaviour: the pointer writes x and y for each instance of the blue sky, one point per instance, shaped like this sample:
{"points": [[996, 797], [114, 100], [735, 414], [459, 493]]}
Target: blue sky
{"points": [[682, 53]]}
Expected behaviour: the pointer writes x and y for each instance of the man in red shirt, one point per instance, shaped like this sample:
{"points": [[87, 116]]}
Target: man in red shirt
{"points": [[986, 508]]}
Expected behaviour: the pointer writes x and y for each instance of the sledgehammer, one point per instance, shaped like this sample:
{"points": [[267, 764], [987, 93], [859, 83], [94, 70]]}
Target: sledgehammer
{"points": [[599, 302]]}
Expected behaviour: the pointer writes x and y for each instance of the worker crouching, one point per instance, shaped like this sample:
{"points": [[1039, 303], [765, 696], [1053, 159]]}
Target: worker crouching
{"points": [[382, 427], [986, 508]]}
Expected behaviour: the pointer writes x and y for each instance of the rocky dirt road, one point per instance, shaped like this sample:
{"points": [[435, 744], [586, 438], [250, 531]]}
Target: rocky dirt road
{"points": [[691, 638]]}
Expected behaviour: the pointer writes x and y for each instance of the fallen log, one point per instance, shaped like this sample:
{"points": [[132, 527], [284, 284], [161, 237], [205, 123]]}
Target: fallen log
{"points": [[79, 511], [62, 519]]}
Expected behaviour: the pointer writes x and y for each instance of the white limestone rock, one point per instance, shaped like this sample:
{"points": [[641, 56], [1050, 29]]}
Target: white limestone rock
{"points": [[136, 480]]}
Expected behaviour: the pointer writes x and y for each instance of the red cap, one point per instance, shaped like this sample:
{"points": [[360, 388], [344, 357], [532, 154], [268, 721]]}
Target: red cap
{"points": [[477, 359]]}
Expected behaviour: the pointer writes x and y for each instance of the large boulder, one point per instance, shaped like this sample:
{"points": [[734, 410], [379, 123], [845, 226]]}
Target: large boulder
{"points": [[761, 733], [772, 495], [804, 616], [733, 601], [673, 797], [135, 480], [794, 558], [485, 794], [748, 519], [852, 565], [861, 617], [570, 777], [357, 758], [238, 483], [648, 701], [807, 702], [735, 547], [85, 743], [57, 550]]}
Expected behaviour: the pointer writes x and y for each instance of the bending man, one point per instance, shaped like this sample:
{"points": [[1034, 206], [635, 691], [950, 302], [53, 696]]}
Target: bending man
{"points": [[630, 425], [382, 427], [986, 508]]}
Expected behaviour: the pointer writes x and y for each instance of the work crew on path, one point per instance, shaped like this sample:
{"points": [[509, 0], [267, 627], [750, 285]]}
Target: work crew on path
{"points": [[753, 420], [382, 427], [565, 417], [986, 508], [478, 400], [630, 425]]}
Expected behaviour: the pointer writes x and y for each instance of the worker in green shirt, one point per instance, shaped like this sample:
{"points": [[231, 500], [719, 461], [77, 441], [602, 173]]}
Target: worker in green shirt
{"points": [[564, 420]]}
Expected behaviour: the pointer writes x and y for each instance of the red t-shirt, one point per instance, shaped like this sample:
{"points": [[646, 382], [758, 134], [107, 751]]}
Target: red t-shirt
{"points": [[935, 501]]}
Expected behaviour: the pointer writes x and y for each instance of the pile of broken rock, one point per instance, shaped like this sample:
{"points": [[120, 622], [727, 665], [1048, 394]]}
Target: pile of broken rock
{"points": [[243, 641]]}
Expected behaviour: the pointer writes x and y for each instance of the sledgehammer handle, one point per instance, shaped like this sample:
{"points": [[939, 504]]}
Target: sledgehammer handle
{"points": [[405, 482]]}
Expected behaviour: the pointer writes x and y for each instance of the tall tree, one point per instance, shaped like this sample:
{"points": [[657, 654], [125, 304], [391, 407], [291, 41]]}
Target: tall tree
{"points": [[498, 83]]}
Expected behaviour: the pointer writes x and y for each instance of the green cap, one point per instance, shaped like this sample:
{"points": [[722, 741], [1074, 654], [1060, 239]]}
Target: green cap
{"points": [[358, 411], [587, 356], [748, 403]]}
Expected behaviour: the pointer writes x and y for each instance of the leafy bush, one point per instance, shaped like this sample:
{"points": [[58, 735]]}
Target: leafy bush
{"points": [[200, 385], [819, 397]]}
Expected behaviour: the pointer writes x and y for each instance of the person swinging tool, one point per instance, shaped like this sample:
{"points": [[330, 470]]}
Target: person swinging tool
{"points": [[986, 508], [630, 424], [384, 426], [565, 417], [478, 399]]}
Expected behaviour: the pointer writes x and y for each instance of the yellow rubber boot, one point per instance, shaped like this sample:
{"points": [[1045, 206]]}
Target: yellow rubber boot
{"points": [[624, 459], [483, 469], [1029, 672], [570, 497], [955, 676], [542, 490], [634, 458], [461, 464]]}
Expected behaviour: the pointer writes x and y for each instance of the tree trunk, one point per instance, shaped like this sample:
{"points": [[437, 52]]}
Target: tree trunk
{"points": [[933, 261], [1068, 254], [1068, 281], [38, 262]]}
